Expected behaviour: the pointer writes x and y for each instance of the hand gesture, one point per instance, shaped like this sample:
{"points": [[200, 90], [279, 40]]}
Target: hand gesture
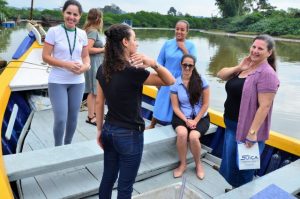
{"points": [[193, 124], [189, 123], [182, 47], [74, 67], [141, 61], [136, 60], [246, 63]]}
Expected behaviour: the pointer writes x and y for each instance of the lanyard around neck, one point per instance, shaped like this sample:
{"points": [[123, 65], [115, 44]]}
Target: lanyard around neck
{"points": [[71, 50]]}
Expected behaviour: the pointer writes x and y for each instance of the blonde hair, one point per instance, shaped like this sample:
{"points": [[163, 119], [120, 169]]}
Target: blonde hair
{"points": [[94, 20]]}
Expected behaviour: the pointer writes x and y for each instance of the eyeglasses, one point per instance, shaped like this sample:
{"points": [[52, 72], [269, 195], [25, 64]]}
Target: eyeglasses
{"points": [[185, 65]]}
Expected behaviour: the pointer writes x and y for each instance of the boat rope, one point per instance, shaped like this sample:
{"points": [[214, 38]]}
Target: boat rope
{"points": [[182, 187], [43, 65]]}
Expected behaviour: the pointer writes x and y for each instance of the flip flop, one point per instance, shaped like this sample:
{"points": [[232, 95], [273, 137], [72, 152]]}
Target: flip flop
{"points": [[89, 120]]}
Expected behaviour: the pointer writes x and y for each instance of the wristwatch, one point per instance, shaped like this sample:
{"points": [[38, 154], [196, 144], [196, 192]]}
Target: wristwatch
{"points": [[252, 132]]}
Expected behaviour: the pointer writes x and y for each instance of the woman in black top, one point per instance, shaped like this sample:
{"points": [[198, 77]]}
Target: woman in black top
{"points": [[120, 83]]}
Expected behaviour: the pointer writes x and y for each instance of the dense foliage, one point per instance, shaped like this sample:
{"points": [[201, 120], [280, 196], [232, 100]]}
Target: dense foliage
{"points": [[232, 8], [274, 22]]}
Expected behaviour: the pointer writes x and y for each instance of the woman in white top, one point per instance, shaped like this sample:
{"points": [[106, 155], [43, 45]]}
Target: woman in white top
{"points": [[65, 49]]}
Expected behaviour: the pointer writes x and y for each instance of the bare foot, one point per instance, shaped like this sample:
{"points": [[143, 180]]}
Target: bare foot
{"points": [[177, 173], [200, 171]]}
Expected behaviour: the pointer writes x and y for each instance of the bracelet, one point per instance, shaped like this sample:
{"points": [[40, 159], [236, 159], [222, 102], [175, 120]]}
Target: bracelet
{"points": [[251, 141], [155, 67]]}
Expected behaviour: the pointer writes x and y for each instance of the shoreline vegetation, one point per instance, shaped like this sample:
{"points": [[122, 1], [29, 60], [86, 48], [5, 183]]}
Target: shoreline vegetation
{"points": [[282, 25], [247, 35], [217, 32]]}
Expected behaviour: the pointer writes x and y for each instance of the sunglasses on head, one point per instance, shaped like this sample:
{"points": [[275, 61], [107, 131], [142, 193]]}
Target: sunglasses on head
{"points": [[185, 65]]}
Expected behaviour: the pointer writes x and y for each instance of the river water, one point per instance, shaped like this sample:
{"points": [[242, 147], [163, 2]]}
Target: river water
{"points": [[215, 52]]}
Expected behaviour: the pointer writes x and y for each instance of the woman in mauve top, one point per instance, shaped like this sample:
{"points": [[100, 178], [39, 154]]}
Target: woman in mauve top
{"points": [[251, 88]]}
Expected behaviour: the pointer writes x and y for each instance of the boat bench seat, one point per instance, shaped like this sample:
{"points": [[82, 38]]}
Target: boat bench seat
{"points": [[32, 163], [286, 178]]}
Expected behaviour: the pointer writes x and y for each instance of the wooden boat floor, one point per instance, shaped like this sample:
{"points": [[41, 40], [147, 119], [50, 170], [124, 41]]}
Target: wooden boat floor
{"points": [[83, 181]]}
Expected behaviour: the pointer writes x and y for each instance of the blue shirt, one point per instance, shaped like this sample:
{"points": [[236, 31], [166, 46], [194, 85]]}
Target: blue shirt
{"points": [[170, 56], [184, 103]]}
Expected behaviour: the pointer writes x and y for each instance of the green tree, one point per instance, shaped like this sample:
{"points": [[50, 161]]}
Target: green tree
{"points": [[294, 12], [112, 9], [3, 7], [172, 11], [232, 8], [258, 5]]}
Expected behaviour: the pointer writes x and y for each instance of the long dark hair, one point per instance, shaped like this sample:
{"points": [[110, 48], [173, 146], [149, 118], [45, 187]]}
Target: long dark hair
{"points": [[271, 47], [195, 84], [114, 56]]}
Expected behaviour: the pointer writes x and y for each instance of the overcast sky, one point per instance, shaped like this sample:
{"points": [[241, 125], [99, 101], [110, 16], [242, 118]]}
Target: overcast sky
{"points": [[204, 8]]}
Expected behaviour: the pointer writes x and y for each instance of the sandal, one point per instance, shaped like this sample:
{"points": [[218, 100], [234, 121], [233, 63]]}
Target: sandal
{"points": [[90, 120]]}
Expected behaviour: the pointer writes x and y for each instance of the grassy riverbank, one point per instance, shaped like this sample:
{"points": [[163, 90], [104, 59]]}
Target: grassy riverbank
{"points": [[219, 32], [288, 38]]}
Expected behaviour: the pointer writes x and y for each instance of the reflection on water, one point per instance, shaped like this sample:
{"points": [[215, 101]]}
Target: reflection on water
{"points": [[215, 52], [4, 39], [10, 39], [288, 51], [229, 52]]}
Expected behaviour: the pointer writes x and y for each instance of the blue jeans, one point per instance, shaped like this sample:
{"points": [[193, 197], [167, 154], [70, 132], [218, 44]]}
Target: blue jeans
{"points": [[123, 150], [229, 168]]}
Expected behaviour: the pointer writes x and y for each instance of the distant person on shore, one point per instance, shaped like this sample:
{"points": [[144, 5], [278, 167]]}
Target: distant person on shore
{"points": [[190, 100], [93, 26], [170, 56], [251, 87], [121, 78], [65, 49]]}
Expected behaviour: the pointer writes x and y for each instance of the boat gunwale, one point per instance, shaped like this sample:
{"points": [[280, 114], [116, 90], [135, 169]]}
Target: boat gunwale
{"points": [[5, 78], [276, 139]]}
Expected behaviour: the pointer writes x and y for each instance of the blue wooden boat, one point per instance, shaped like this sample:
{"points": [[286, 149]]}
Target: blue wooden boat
{"points": [[8, 24], [31, 168], [128, 22]]}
